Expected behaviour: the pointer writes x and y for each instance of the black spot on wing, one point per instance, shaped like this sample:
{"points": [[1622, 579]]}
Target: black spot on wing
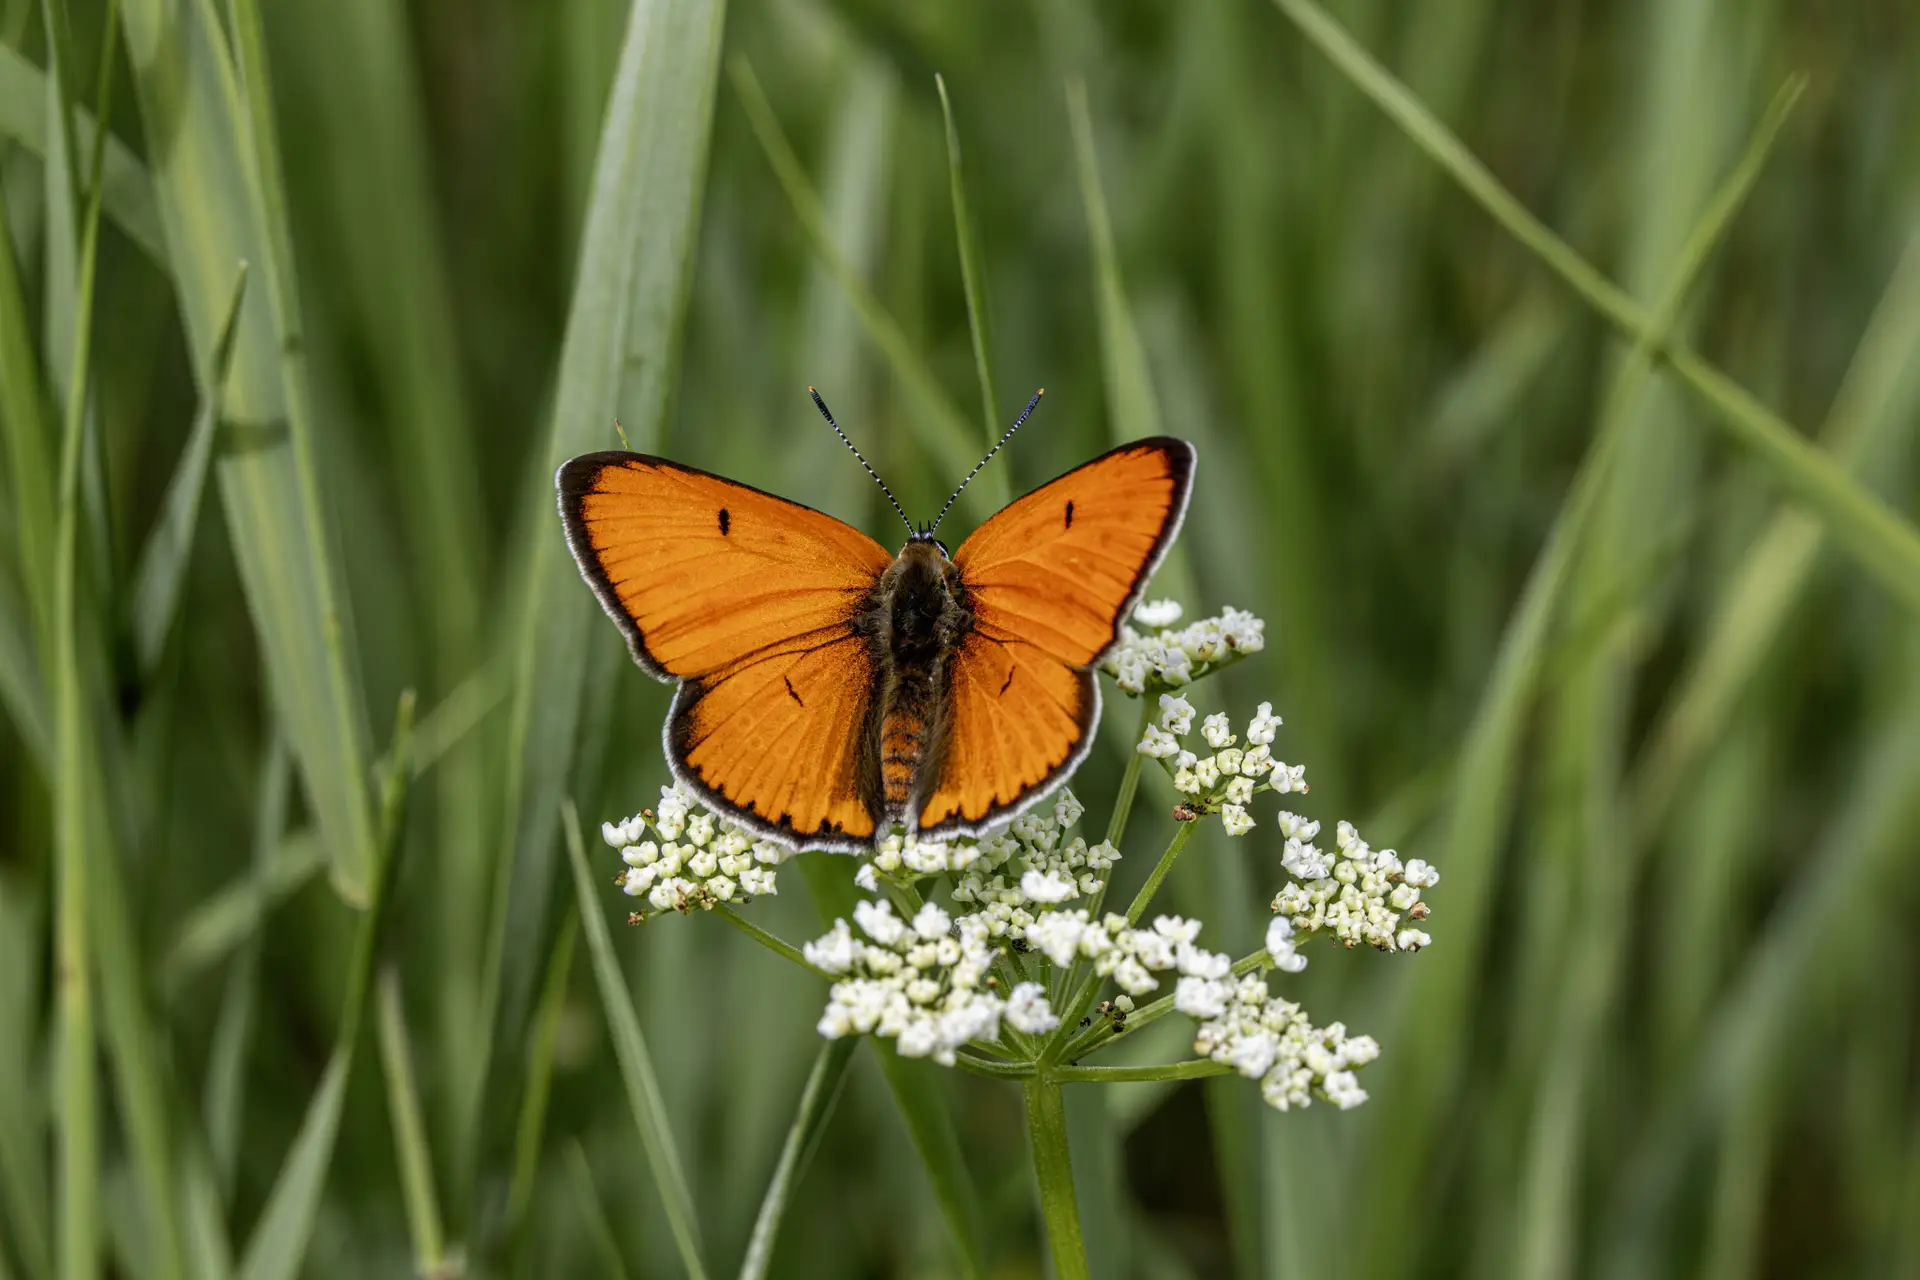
{"points": [[725, 522], [1069, 513], [1009, 683], [790, 689]]}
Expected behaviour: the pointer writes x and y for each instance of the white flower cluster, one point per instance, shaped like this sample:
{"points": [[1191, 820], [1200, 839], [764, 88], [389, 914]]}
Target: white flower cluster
{"points": [[1229, 777], [683, 856], [923, 983], [1171, 658], [1356, 894], [1019, 875], [1129, 956], [1272, 1040], [904, 858]]}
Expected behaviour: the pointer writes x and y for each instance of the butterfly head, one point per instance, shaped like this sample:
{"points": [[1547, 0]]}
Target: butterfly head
{"points": [[923, 536]]}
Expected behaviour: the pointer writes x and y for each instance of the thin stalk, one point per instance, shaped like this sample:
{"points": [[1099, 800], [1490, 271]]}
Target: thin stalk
{"points": [[779, 946], [942, 428], [409, 1129], [1097, 1038], [1129, 784], [992, 1068], [1053, 1170], [810, 1121], [79, 1101], [599, 1228], [1193, 1069], [970, 275], [1076, 1008], [533, 1101], [1144, 899]]}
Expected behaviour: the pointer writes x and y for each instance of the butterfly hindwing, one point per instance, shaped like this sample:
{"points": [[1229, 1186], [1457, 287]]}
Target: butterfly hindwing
{"points": [[749, 600], [1048, 581]]}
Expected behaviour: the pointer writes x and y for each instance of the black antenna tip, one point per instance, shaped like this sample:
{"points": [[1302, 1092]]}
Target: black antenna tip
{"points": [[828, 415]]}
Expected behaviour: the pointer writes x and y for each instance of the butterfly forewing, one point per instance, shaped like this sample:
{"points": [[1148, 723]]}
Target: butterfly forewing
{"points": [[750, 600], [1048, 581]]}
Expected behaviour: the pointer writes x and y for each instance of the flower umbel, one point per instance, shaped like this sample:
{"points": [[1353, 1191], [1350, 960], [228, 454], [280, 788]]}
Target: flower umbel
{"points": [[1165, 658], [925, 983], [991, 953], [683, 856]]}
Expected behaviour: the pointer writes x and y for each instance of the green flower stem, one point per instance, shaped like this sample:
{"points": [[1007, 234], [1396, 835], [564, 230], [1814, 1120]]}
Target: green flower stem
{"points": [[1053, 1169], [981, 1065], [1097, 1037], [1076, 1008], [1129, 785], [1143, 899], [779, 946], [1193, 1069], [905, 896], [1116, 828]]}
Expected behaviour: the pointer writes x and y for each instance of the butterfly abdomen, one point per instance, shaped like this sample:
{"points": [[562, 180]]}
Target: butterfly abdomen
{"points": [[903, 738], [917, 618]]}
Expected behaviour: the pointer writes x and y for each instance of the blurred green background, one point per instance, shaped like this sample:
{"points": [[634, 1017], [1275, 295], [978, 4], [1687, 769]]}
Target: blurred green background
{"points": [[1652, 706]]}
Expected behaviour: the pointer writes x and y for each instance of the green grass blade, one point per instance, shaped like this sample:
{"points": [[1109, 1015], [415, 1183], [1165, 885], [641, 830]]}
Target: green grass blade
{"points": [[163, 561], [409, 1129], [373, 159], [627, 310], [127, 196], [541, 1044], [1811, 945], [23, 1153], [1133, 408], [809, 1121], [225, 1105], [97, 917], [209, 1252], [968, 242], [233, 914], [277, 1249], [943, 429], [1874, 411], [1576, 1007], [140, 1069], [76, 826], [30, 461], [599, 1228], [1887, 546], [218, 204], [917, 1092], [23, 616], [337, 722], [22, 692], [636, 1065], [858, 173]]}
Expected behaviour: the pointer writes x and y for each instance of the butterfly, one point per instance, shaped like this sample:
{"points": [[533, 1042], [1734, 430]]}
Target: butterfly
{"points": [[830, 690]]}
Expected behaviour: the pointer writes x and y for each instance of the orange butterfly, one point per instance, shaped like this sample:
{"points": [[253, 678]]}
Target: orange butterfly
{"points": [[828, 689]]}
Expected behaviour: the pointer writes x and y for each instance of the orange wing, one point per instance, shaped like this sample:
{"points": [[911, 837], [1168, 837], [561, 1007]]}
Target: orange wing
{"points": [[1048, 580], [752, 602]]}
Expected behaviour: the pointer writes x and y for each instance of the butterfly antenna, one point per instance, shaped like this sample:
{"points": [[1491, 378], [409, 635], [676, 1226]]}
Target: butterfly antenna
{"points": [[828, 415], [989, 458]]}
